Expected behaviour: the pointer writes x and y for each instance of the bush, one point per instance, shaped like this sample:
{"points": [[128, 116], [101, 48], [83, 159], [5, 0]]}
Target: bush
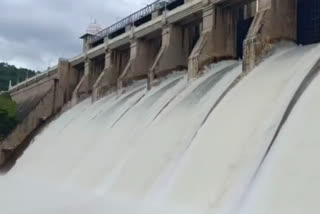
{"points": [[8, 110]]}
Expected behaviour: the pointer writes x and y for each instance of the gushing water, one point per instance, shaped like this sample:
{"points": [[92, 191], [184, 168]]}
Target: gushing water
{"points": [[197, 146]]}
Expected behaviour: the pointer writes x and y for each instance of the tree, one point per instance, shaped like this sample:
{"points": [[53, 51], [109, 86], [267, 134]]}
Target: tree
{"points": [[15, 75]]}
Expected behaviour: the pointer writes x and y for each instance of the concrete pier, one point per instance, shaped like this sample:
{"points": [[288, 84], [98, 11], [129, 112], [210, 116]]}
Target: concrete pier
{"points": [[142, 54], [172, 54], [92, 70], [217, 40], [108, 78], [275, 21], [68, 80]]}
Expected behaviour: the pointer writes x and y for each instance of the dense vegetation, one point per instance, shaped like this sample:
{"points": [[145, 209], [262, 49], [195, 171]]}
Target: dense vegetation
{"points": [[8, 107], [11, 72], [8, 110]]}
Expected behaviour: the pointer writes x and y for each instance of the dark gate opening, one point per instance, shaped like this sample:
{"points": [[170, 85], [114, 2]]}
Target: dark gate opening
{"points": [[196, 36], [243, 27], [308, 22], [193, 35], [174, 4]]}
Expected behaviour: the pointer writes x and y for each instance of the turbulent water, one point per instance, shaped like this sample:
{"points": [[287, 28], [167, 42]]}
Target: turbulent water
{"points": [[200, 146]]}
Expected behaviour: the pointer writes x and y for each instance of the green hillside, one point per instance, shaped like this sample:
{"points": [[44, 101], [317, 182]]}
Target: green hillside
{"points": [[8, 107], [10, 72], [8, 110]]}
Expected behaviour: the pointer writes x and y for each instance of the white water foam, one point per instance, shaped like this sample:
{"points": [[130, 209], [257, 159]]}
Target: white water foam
{"points": [[228, 149], [162, 151], [289, 179]]}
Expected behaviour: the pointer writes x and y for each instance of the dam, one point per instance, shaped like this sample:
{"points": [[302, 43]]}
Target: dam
{"points": [[183, 107]]}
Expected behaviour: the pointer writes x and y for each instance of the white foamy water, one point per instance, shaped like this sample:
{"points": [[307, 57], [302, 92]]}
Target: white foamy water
{"points": [[168, 150], [288, 182], [81, 154], [224, 156]]}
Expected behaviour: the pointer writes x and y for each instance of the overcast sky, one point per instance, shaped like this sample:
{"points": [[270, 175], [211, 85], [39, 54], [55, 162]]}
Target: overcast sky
{"points": [[35, 33]]}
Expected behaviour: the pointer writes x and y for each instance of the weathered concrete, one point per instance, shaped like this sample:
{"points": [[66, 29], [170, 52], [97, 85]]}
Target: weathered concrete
{"points": [[172, 54], [86, 42], [116, 61], [38, 103], [171, 17], [92, 70], [108, 78], [217, 40], [142, 54], [36, 80], [68, 80], [276, 20], [28, 97], [83, 88], [41, 112]]}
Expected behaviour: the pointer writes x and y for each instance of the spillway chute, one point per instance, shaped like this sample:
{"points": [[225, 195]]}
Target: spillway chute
{"points": [[199, 146]]}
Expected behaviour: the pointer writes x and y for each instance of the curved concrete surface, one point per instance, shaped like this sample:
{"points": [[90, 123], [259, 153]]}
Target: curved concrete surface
{"points": [[183, 147]]}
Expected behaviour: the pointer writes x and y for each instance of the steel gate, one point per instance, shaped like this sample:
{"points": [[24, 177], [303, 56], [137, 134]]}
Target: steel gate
{"points": [[308, 21]]}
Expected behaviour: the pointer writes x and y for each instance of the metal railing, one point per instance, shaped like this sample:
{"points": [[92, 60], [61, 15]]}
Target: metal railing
{"points": [[131, 19]]}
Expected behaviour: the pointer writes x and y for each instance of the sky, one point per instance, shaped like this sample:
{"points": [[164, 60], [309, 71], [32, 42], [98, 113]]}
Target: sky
{"points": [[36, 33]]}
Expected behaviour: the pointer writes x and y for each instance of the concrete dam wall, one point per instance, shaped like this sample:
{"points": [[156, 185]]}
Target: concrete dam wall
{"points": [[186, 106], [164, 36], [224, 143]]}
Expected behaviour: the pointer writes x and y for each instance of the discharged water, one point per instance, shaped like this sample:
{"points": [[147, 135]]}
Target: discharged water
{"points": [[183, 147]]}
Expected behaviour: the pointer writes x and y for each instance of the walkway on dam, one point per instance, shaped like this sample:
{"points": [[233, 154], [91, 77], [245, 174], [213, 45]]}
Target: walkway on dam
{"points": [[224, 144]]}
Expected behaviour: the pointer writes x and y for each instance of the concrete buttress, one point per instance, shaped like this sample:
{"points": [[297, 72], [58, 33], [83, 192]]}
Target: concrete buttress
{"points": [[275, 21], [142, 54], [82, 89], [92, 70], [108, 78], [217, 40], [172, 54]]}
